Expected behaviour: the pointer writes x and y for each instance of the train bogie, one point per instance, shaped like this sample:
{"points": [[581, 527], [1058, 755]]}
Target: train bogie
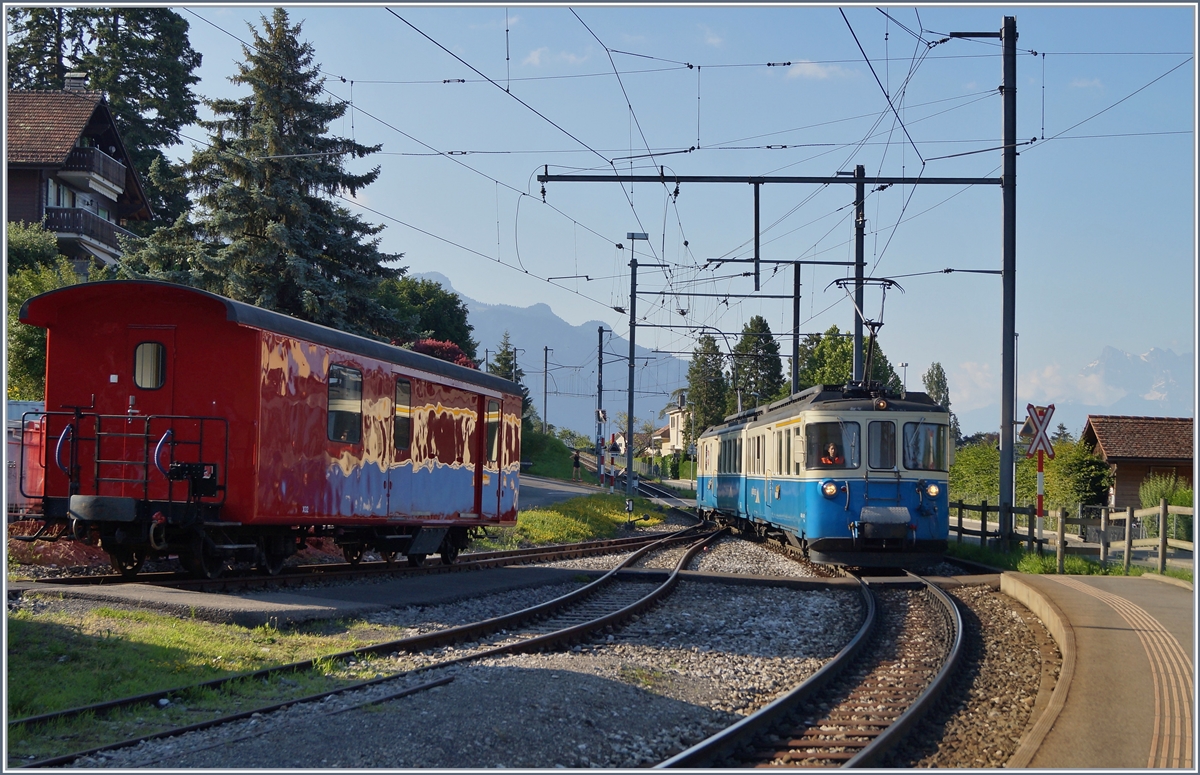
{"points": [[181, 422], [854, 476]]}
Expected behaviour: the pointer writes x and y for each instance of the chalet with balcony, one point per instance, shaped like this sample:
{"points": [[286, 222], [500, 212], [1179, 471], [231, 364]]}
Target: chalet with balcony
{"points": [[1138, 447], [68, 168]]}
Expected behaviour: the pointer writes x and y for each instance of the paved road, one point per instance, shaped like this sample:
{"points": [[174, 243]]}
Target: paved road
{"points": [[539, 491]]}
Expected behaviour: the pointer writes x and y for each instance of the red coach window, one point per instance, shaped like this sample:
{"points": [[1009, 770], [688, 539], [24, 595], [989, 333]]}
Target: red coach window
{"points": [[493, 431], [150, 365], [403, 427], [345, 404]]}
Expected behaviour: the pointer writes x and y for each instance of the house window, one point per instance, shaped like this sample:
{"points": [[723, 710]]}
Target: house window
{"points": [[345, 404], [150, 365]]}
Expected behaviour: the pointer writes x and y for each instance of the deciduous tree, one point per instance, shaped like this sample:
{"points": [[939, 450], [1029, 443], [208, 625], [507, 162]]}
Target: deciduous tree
{"points": [[939, 390], [431, 310]]}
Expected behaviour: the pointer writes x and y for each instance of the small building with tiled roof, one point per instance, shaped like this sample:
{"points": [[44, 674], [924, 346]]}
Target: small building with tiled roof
{"points": [[68, 168], [1137, 447]]}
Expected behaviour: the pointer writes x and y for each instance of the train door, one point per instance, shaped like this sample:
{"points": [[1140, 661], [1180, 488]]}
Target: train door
{"points": [[150, 392], [400, 472], [493, 439]]}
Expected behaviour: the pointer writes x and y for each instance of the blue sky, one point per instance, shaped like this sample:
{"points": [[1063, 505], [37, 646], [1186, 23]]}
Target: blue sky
{"points": [[1106, 197]]}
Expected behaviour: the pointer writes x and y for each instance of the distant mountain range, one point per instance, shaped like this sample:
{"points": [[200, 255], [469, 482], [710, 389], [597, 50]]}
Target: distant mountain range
{"points": [[572, 375], [1159, 383]]}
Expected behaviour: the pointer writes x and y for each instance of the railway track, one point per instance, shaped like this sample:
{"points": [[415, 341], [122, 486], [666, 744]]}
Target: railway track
{"points": [[341, 571], [861, 703], [601, 604]]}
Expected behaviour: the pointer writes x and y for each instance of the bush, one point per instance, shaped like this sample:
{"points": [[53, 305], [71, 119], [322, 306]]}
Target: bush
{"points": [[1153, 490]]}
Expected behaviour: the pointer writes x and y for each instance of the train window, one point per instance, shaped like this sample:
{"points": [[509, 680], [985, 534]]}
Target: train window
{"points": [[785, 462], [925, 447], [881, 444], [150, 365], [493, 431], [798, 456], [738, 457], [345, 404], [402, 429], [832, 444]]}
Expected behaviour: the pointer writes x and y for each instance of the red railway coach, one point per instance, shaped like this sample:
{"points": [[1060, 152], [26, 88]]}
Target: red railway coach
{"points": [[179, 421]]}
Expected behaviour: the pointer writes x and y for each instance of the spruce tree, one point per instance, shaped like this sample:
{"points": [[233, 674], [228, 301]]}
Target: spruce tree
{"points": [[504, 364], [140, 58], [757, 369], [707, 388], [267, 228]]}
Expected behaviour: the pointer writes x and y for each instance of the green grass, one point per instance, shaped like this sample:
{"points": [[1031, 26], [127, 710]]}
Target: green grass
{"points": [[58, 660], [550, 457], [578, 519], [1030, 562]]}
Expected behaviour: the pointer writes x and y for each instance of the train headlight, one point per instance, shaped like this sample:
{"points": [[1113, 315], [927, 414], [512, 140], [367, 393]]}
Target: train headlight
{"points": [[829, 489], [932, 490], [881, 404]]}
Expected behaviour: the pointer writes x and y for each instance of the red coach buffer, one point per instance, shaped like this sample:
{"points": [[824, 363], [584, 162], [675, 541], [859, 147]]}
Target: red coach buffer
{"points": [[181, 422]]}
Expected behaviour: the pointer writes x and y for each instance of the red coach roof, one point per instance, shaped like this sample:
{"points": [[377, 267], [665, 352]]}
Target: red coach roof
{"points": [[1155, 438]]}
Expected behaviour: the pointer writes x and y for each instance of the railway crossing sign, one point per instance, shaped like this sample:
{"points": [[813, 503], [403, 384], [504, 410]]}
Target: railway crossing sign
{"points": [[1037, 426]]}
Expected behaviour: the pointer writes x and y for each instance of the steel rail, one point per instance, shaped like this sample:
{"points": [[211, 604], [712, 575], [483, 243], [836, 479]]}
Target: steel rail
{"points": [[888, 738], [421, 642], [413, 643], [703, 753], [303, 574]]}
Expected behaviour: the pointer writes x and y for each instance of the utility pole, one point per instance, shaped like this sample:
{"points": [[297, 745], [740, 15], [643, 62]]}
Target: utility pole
{"points": [[600, 403], [545, 374], [1008, 274], [795, 328], [633, 237], [860, 222]]}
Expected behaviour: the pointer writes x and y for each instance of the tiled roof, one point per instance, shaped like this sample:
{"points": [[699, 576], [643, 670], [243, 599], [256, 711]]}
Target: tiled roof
{"points": [[1153, 438], [44, 125]]}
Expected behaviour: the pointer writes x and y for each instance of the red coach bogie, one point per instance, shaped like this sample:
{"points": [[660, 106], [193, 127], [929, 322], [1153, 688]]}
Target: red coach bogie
{"points": [[182, 422]]}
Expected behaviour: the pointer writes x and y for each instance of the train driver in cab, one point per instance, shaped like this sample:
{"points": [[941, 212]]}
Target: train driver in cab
{"points": [[832, 456]]}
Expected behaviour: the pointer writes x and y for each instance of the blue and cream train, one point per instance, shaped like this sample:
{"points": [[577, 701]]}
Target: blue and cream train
{"points": [[848, 475]]}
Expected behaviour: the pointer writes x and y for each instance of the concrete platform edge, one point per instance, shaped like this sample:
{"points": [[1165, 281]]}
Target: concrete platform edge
{"points": [[1013, 585], [1169, 580]]}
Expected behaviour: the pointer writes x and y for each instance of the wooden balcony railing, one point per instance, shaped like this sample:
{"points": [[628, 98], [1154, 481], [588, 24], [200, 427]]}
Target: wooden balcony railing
{"points": [[96, 161], [75, 221]]}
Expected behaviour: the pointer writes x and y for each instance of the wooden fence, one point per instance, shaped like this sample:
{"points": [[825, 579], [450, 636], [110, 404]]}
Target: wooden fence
{"points": [[1158, 516]]}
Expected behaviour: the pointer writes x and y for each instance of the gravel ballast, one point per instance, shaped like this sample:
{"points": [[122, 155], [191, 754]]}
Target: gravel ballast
{"points": [[708, 655]]}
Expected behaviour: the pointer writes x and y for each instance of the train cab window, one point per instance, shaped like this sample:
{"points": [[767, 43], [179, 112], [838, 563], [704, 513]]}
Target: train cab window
{"points": [[345, 404], [925, 447], [881, 444], [402, 429], [738, 457], [832, 445], [493, 431], [150, 365]]}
